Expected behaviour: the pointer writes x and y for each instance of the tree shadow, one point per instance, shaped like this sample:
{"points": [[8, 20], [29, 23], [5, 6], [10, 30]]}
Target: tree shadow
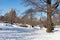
{"points": [[55, 30]]}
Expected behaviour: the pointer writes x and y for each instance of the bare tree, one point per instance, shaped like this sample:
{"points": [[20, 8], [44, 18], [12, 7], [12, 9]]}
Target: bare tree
{"points": [[45, 6], [11, 16], [29, 15]]}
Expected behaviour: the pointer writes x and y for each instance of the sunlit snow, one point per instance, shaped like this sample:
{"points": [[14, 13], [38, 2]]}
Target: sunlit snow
{"points": [[14, 32]]}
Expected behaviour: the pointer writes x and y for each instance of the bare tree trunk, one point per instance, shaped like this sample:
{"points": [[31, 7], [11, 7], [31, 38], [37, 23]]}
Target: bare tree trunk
{"points": [[31, 20], [49, 14]]}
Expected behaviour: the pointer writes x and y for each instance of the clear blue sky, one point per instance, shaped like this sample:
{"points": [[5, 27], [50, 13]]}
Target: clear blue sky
{"points": [[6, 5]]}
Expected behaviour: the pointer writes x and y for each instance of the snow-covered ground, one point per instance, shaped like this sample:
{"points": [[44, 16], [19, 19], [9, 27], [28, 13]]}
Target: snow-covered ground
{"points": [[13, 32]]}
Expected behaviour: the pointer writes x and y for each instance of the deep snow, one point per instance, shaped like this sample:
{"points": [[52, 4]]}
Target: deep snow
{"points": [[13, 32]]}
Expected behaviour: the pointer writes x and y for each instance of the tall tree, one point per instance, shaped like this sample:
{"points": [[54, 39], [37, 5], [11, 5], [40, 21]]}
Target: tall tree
{"points": [[49, 15], [47, 7], [11, 16]]}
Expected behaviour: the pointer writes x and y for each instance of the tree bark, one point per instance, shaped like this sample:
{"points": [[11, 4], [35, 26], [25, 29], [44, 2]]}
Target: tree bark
{"points": [[49, 14]]}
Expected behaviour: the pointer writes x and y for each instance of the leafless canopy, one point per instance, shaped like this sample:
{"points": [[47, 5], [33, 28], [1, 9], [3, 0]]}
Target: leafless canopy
{"points": [[41, 5]]}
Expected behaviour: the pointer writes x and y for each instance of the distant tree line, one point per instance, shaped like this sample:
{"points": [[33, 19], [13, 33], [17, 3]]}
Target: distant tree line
{"points": [[11, 17]]}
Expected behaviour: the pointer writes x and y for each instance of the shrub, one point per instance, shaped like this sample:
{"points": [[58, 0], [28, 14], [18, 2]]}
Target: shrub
{"points": [[23, 25]]}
